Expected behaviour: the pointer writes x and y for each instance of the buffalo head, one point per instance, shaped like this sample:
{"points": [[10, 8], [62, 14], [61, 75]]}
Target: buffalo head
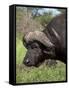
{"points": [[38, 47]]}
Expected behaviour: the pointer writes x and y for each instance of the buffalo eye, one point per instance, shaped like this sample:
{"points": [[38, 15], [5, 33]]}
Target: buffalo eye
{"points": [[34, 45]]}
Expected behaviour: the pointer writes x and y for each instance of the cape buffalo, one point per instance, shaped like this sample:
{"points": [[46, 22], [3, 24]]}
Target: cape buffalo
{"points": [[47, 44]]}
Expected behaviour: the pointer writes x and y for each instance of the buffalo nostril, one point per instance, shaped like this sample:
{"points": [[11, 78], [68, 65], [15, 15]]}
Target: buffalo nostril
{"points": [[27, 61]]}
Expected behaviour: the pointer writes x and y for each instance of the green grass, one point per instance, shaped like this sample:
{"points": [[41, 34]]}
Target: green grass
{"points": [[43, 73], [20, 51]]}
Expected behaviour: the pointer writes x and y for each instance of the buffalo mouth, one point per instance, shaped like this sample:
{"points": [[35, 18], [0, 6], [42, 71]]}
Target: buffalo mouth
{"points": [[27, 63]]}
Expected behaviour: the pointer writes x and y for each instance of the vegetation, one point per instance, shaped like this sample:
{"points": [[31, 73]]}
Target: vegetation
{"points": [[43, 73], [27, 21]]}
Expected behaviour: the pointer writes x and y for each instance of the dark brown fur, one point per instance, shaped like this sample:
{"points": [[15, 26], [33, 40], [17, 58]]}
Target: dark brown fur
{"points": [[37, 52]]}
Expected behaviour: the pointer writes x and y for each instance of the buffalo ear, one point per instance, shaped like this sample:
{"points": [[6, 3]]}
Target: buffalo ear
{"points": [[49, 51]]}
